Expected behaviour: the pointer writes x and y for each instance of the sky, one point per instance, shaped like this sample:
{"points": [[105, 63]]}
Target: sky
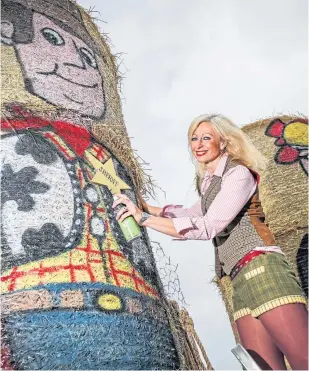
{"points": [[245, 59]]}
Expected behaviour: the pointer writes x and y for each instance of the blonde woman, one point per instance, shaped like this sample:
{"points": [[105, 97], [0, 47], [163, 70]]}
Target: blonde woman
{"points": [[269, 306]]}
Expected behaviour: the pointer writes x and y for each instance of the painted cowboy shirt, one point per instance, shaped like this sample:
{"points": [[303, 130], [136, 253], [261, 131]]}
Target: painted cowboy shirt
{"points": [[58, 226]]}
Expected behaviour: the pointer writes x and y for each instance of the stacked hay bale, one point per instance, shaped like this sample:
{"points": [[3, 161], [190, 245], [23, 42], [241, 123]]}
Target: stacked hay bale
{"points": [[76, 294], [193, 350], [283, 191]]}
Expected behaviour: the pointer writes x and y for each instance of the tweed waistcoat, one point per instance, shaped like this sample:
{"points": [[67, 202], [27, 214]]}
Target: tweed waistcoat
{"points": [[243, 234]]}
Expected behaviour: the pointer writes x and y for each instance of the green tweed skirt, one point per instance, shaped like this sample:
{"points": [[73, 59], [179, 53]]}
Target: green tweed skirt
{"points": [[265, 283]]}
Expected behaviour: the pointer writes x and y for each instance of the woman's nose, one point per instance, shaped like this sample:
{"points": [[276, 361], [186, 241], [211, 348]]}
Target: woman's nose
{"points": [[200, 143]]}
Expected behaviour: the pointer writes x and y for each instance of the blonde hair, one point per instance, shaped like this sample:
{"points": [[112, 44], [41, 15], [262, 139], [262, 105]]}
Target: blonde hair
{"points": [[237, 144]]}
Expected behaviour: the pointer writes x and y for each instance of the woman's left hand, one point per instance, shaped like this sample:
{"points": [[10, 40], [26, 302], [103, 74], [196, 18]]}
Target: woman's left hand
{"points": [[130, 209]]}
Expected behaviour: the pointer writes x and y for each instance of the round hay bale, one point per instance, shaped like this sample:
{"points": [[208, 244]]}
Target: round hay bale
{"points": [[284, 181], [76, 295]]}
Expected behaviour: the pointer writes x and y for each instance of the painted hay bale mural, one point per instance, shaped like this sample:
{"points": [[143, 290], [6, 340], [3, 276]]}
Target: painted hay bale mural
{"points": [[283, 192], [75, 293]]}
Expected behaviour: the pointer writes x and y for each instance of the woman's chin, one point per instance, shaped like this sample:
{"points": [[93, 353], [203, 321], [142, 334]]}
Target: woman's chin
{"points": [[201, 159]]}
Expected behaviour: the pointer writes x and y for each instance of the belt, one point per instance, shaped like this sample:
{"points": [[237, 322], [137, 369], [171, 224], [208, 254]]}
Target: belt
{"points": [[42, 299], [244, 261]]}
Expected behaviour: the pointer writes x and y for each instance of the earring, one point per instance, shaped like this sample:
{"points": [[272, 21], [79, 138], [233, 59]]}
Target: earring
{"points": [[222, 151]]}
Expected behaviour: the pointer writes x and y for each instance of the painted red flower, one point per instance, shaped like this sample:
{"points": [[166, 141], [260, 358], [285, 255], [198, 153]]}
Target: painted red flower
{"points": [[287, 155], [292, 137]]}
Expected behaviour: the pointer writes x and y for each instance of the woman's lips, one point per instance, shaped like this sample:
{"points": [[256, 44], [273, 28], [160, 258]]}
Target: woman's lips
{"points": [[201, 153]]}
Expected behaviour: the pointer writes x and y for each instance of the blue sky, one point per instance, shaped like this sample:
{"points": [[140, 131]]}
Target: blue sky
{"points": [[245, 59]]}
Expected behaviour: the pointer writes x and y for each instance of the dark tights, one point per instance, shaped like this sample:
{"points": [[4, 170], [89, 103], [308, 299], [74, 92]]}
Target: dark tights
{"points": [[280, 331]]}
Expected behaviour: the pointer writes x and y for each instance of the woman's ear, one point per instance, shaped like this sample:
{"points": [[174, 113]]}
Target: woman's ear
{"points": [[222, 145], [7, 31]]}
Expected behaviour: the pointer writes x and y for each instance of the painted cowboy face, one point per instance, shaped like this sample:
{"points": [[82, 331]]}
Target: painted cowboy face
{"points": [[61, 69]]}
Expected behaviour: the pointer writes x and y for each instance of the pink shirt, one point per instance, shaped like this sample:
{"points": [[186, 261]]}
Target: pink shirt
{"points": [[237, 187]]}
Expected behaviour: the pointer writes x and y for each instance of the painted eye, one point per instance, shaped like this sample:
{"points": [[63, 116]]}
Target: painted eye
{"points": [[88, 57], [52, 36], [193, 139]]}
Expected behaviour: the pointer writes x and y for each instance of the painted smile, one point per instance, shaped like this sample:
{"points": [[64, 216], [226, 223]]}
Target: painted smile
{"points": [[73, 100], [200, 153], [54, 72]]}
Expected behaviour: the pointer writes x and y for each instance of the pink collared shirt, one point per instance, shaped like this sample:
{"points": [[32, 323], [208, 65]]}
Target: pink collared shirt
{"points": [[237, 187]]}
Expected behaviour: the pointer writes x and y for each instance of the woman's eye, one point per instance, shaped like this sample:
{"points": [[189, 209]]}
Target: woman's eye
{"points": [[52, 36], [206, 138], [193, 139], [88, 57]]}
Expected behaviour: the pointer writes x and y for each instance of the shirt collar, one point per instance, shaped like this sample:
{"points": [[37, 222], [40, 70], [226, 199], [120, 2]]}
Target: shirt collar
{"points": [[220, 167], [218, 171]]}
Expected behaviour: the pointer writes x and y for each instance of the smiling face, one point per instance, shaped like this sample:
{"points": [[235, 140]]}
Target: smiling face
{"points": [[205, 143], [60, 68]]}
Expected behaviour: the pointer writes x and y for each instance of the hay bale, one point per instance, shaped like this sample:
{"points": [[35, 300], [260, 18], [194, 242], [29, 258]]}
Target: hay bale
{"points": [[75, 293]]}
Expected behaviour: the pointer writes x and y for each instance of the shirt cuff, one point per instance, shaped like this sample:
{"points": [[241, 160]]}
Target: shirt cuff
{"points": [[183, 225], [167, 211]]}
